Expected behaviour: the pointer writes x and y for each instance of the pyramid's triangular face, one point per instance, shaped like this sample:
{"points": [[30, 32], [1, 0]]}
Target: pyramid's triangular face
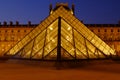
{"points": [[61, 36]]}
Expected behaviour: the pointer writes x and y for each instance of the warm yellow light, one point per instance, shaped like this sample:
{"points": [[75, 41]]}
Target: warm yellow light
{"points": [[3, 49], [68, 28], [93, 40], [51, 28], [67, 37], [51, 12], [19, 39], [53, 40], [49, 47], [72, 49], [34, 49], [71, 12], [2, 44]]}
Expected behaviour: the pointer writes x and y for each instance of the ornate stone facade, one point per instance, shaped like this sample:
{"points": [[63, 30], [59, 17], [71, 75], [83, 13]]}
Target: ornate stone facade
{"points": [[10, 34]]}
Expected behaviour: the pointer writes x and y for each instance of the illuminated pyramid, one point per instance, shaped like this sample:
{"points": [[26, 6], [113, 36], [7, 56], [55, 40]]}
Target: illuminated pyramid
{"points": [[61, 36]]}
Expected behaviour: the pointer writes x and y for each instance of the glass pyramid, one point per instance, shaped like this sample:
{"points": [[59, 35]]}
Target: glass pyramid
{"points": [[61, 36]]}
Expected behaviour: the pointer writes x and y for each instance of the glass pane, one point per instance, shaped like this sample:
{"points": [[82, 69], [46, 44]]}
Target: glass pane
{"points": [[20, 44], [50, 36], [27, 50], [38, 55], [52, 55], [50, 18], [79, 38], [65, 55], [67, 46], [80, 55], [90, 46], [67, 36], [31, 35], [52, 32], [27, 54], [81, 47], [91, 54], [12, 52], [101, 55], [50, 46], [40, 37], [15, 49], [37, 47]]}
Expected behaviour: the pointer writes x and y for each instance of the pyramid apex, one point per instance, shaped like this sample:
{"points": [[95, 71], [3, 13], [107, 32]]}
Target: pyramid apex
{"points": [[65, 5], [62, 4]]}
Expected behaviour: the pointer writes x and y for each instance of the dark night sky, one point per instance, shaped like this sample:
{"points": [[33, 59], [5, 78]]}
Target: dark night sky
{"points": [[90, 11]]}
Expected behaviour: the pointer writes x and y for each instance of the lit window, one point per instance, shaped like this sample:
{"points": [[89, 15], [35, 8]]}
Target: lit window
{"points": [[6, 31], [12, 37], [105, 30], [92, 30], [118, 30], [24, 30], [18, 30], [111, 30], [3, 49], [98, 30], [18, 39], [12, 31], [2, 45]]}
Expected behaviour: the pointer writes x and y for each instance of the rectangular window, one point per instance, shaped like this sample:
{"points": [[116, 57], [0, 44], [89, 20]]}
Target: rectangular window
{"points": [[18, 30], [12, 31], [111, 30], [105, 30], [92, 30], [98, 30], [24, 30], [5, 31], [118, 30]]}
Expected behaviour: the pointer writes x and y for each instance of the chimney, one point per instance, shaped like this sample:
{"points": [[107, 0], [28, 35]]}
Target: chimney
{"points": [[81, 21], [4, 23], [119, 22], [17, 23], [11, 23], [29, 23], [50, 8], [73, 8]]}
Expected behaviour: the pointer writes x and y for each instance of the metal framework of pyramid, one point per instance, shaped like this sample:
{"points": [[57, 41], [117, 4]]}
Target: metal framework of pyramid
{"points": [[61, 36]]}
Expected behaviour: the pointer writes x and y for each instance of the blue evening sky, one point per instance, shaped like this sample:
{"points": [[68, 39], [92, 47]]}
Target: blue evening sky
{"points": [[90, 11]]}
